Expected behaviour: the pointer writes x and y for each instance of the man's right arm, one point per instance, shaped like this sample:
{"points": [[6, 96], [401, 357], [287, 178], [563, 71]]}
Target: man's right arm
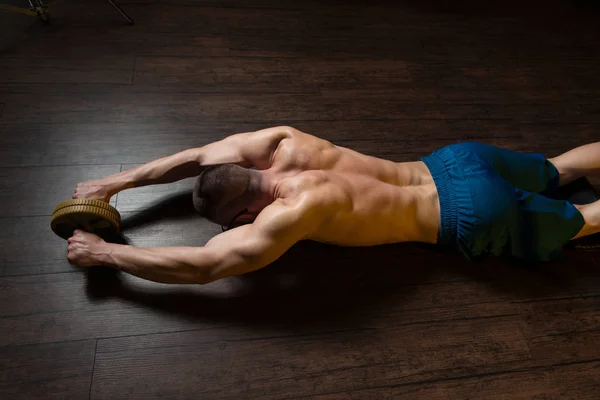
{"points": [[237, 251], [253, 149]]}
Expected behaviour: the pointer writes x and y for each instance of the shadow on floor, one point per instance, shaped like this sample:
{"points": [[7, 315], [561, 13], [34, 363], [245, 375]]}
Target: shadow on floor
{"points": [[320, 286], [176, 206]]}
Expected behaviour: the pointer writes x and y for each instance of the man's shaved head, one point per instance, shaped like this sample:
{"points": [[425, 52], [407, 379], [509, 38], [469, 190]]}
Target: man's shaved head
{"points": [[223, 191]]}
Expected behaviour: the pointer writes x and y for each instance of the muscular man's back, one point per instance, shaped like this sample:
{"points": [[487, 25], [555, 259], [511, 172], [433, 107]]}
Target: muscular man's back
{"points": [[367, 200]]}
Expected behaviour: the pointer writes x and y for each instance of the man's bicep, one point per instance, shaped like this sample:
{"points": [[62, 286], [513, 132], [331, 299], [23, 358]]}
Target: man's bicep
{"points": [[251, 149]]}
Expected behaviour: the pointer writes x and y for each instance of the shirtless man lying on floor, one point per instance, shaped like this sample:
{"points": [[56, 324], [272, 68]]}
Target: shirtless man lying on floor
{"points": [[278, 186]]}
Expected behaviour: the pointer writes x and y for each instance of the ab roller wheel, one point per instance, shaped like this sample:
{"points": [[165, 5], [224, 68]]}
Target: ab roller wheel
{"points": [[94, 216]]}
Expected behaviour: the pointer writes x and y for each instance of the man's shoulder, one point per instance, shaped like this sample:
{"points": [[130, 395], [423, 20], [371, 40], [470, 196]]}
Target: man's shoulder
{"points": [[311, 192]]}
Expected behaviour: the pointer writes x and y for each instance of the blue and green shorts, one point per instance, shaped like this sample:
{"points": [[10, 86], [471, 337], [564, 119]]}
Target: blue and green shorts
{"points": [[499, 202]]}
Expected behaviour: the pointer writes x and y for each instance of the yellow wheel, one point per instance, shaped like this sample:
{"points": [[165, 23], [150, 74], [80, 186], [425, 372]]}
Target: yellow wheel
{"points": [[90, 215]]}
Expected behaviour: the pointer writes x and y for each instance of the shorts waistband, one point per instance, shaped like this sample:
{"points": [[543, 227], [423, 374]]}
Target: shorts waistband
{"points": [[448, 207]]}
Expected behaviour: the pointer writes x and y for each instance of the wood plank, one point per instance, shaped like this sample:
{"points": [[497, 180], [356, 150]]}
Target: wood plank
{"points": [[475, 74], [575, 275], [41, 189], [558, 316], [534, 79], [562, 331], [426, 91], [101, 143], [30, 247], [469, 79], [47, 371], [575, 381], [191, 108], [401, 30], [474, 8], [388, 44], [570, 347], [50, 293], [428, 81], [98, 69], [268, 74], [73, 42], [301, 366]]}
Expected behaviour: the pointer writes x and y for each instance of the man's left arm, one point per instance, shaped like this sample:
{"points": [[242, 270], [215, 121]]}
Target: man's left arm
{"points": [[235, 252], [251, 149]]}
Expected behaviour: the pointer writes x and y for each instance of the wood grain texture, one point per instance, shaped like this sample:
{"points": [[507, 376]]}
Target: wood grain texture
{"points": [[47, 371], [563, 331], [296, 75], [457, 35], [99, 69], [571, 381], [278, 108], [87, 95], [36, 191], [42, 251], [301, 366]]}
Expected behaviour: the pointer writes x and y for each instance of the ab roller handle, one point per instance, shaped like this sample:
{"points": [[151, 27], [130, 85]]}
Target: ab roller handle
{"points": [[94, 216]]}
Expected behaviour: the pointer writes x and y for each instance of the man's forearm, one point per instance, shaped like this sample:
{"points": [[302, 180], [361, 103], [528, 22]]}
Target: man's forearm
{"points": [[161, 264], [185, 164], [164, 170]]}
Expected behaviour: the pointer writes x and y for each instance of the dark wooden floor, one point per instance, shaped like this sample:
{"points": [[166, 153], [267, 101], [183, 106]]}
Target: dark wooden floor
{"points": [[87, 96]]}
